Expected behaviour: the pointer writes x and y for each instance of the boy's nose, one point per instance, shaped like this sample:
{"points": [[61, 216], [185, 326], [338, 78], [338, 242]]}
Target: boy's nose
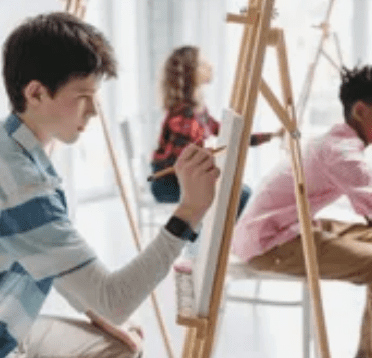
{"points": [[92, 110]]}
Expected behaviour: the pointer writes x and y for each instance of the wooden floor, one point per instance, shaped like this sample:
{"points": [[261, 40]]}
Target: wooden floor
{"points": [[245, 331]]}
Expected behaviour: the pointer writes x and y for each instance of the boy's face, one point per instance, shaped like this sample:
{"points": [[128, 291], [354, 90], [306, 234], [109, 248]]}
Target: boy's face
{"points": [[368, 123], [68, 112], [362, 113]]}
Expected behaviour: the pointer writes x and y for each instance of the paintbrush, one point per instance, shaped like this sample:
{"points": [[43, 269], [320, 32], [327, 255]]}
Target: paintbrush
{"points": [[170, 170]]}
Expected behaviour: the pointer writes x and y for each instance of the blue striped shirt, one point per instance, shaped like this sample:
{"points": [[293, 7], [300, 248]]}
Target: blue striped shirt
{"points": [[37, 240]]}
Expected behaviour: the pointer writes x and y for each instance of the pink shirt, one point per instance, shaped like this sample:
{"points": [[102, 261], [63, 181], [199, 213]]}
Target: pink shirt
{"points": [[334, 165]]}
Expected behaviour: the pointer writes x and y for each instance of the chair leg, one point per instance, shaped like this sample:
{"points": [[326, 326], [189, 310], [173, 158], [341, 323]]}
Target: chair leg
{"points": [[257, 288], [140, 223], [306, 321], [224, 297], [151, 224]]}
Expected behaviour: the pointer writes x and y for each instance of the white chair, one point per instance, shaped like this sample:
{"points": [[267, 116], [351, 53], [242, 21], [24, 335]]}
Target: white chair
{"points": [[150, 213], [239, 270]]}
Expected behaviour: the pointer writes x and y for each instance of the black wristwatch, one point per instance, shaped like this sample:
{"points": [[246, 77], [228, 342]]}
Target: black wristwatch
{"points": [[181, 229]]}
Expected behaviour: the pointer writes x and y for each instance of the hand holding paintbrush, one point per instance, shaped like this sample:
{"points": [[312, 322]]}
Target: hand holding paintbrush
{"points": [[170, 170]]}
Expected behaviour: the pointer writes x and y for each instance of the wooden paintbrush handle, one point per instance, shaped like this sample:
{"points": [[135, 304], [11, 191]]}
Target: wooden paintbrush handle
{"points": [[170, 170]]}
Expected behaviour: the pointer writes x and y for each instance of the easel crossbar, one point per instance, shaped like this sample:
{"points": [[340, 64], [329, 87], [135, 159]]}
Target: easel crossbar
{"points": [[248, 18]]}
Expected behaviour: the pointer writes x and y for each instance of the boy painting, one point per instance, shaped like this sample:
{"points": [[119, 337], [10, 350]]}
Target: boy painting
{"points": [[53, 65]]}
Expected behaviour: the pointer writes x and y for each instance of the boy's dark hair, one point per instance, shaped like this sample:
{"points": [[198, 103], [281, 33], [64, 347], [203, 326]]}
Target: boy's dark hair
{"points": [[356, 86], [53, 48]]}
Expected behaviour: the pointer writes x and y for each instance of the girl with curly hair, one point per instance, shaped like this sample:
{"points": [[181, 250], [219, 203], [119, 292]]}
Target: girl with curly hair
{"points": [[187, 119]]}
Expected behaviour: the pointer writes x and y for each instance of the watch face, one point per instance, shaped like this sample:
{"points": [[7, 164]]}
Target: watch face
{"points": [[180, 229]]}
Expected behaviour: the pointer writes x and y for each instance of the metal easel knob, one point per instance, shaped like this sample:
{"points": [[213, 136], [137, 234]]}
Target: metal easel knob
{"points": [[296, 134]]}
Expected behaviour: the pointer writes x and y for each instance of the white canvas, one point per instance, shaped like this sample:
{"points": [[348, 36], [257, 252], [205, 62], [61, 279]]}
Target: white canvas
{"points": [[213, 224]]}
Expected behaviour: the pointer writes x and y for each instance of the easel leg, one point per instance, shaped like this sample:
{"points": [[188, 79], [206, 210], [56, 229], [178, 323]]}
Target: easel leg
{"points": [[245, 59], [245, 100], [76, 8], [199, 343], [189, 342], [193, 344], [307, 236]]}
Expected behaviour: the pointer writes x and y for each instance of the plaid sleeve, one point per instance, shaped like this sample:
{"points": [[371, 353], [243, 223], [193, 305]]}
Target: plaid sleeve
{"points": [[260, 138], [180, 125], [185, 130]]}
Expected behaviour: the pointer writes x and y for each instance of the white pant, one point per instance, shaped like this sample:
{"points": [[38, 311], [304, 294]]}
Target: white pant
{"points": [[57, 337]]}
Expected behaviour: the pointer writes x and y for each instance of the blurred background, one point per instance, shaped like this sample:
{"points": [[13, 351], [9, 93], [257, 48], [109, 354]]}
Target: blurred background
{"points": [[143, 32]]}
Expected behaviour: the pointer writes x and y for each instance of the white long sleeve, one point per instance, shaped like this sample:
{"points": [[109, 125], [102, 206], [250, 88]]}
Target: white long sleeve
{"points": [[115, 295]]}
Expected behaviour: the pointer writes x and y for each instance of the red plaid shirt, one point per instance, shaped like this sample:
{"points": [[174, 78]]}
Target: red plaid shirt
{"points": [[183, 126]]}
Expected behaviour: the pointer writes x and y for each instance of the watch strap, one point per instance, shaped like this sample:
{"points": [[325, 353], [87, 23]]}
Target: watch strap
{"points": [[181, 229]]}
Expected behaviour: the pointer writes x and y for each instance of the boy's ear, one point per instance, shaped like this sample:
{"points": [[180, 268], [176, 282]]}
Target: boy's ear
{"points": [[34, 93], [357, 111], [360, 110]]}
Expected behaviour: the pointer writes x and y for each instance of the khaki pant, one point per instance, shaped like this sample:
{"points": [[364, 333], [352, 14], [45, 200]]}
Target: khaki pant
{"points": [[55, 337], [344, 252]]}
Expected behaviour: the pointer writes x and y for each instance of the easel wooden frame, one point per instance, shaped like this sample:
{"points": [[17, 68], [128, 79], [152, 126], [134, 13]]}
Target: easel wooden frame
{"points": [[257, 35], [310, 75], [78, 9]]}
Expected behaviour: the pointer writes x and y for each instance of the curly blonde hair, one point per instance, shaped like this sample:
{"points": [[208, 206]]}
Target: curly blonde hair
{"points": [[178, 83]]}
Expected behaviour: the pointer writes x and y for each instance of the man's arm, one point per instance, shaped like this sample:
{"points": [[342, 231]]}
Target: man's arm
{"points": [[116, 295], [132, 341]]}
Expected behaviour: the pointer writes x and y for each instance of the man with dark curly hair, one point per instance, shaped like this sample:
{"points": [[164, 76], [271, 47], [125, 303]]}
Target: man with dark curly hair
{"points": [[267, 236]]}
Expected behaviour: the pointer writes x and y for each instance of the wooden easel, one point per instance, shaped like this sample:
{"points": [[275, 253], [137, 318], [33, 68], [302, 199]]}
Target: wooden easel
{"points": [[324, 26], [257, 35], [78, 8]]}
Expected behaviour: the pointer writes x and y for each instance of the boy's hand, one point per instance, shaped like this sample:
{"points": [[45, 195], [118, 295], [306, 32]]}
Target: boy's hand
{"points": [[132, 340], [197, 174]]}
